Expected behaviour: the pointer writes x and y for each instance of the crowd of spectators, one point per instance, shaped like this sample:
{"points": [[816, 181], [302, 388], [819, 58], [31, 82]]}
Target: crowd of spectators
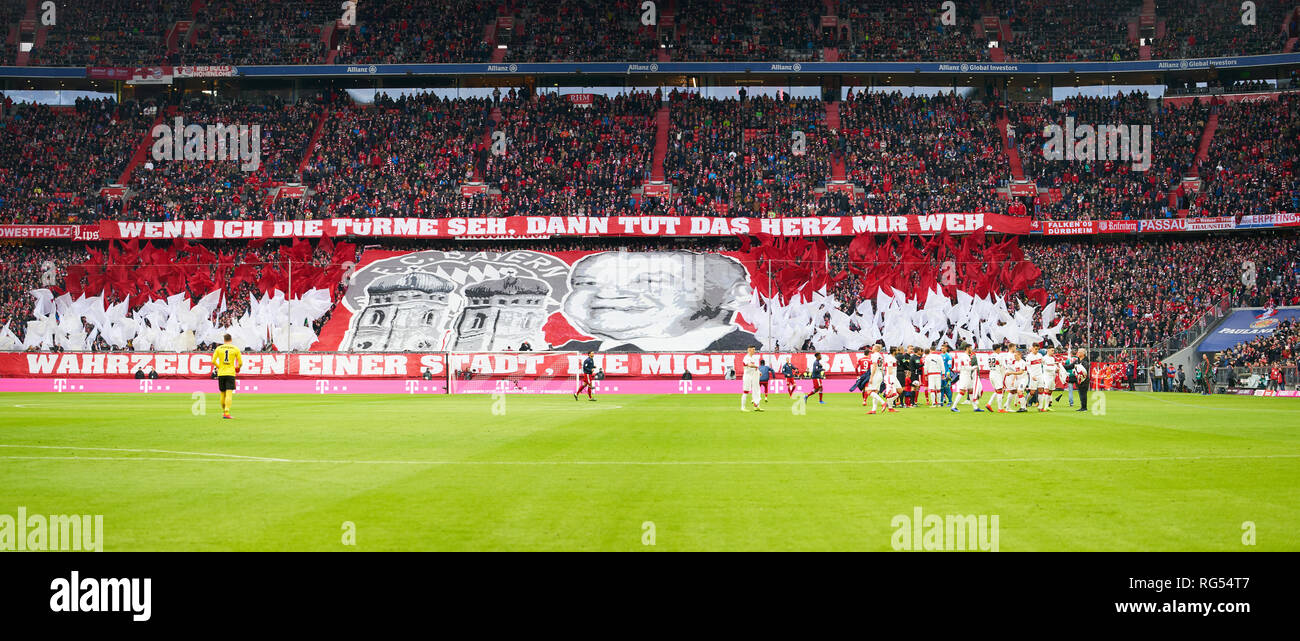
{"points": [[741, 157], [918, 155], [1213, 28], [909, 30], [1066, 30], [565, 158], [134, 32], [750, 156], [395, 31], [229, 32], [27, 267], [1253, 165], [582, 30], [1112, 189], [735, 30], [1147, 291], [1280, 347], [223, 189], [55, 160], [398, 157]]}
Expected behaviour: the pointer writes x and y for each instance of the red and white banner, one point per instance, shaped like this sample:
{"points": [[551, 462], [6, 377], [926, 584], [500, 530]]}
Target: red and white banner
{"points": [[67, 232], [317, 365], [291, 191], [151, 76], [1023, 189], [656, 189], [1212, 223], [473, 189], [1118, 226], [582, 99], [549, 226]]}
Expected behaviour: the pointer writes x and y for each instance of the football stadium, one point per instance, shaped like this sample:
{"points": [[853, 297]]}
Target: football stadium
{"points": [[674, 275]]}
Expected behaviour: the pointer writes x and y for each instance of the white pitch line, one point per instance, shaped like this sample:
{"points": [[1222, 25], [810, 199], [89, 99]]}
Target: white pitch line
{"points": [[147, 451], [1081, 459]]}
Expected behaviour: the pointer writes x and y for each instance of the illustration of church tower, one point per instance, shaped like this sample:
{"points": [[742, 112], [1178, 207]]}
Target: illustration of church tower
{"points": [[502, 313], [403, 312]]}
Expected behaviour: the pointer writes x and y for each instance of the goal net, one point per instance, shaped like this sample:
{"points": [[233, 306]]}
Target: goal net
{"points": [[513, 372]]}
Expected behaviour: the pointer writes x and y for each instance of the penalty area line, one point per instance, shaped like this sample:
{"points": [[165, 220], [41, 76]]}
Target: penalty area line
{"points": [[231, 458]]}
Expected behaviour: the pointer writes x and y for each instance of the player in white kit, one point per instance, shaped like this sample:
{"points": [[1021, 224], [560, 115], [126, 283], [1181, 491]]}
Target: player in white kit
{"points": [[933, 364], [997, 377], [1034, 359], [749, 380], [968, 379], [1047, 384], [1017, 380], [877, 378], [891, 378]]}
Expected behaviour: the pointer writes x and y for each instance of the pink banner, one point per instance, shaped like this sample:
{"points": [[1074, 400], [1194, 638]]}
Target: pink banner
{"points": [[777, 388], [486, 368], [550, 226]]}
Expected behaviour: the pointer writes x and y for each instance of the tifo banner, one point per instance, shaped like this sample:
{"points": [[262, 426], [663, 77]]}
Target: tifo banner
{"points": [[1246, 325], [550, 226], [916, 292], [578, 300], [464, 367]]}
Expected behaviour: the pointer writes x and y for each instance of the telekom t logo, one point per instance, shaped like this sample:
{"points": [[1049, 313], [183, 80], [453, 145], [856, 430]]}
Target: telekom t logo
{"points": [[322, 387], [60, 384], [146, 385], [412, 387], [685, 386]]}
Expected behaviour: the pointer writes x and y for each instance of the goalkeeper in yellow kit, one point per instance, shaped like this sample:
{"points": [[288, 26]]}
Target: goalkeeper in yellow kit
{"points": [[227, 361]]}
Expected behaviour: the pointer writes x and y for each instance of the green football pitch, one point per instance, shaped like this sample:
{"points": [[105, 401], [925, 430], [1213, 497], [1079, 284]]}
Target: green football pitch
{"points": [[1154, 472]]}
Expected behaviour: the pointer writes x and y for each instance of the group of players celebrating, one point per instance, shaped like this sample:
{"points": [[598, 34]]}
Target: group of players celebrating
{"points": [[894, 377]]}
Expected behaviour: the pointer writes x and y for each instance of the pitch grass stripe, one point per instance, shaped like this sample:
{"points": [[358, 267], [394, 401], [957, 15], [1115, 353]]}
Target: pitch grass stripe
{"points": [[1217, 409], [148, 451], [253, 459]]}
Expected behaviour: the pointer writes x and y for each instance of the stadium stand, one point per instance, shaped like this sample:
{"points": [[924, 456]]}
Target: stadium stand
{"points": [[922, 155], [222, 189], [55, 160], [1253, 161], [390, 31], [734, 30]]}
